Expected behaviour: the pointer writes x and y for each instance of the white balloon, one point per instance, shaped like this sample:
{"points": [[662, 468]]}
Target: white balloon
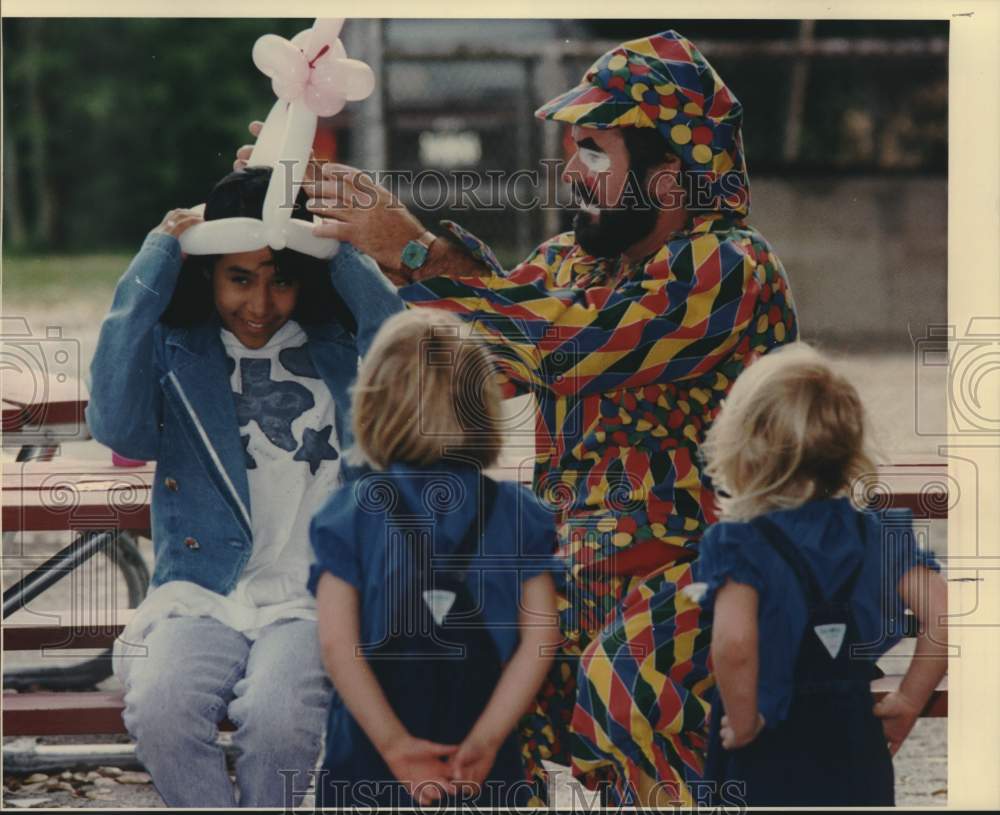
{"points": [[233, 235], [307, 85], [323, 102], [328, 75], [268, 147], [301, 238], [325, 31], [336, 51], [300, 128], [359, 80], [223, 237], [299, 135], [275, 55]]}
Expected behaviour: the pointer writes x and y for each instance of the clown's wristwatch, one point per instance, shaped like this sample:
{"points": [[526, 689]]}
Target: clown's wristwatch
{"points": [[415, 252]]}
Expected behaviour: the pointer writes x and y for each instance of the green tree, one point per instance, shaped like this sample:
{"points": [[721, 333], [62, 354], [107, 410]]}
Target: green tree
{"points": [[110, 122]]}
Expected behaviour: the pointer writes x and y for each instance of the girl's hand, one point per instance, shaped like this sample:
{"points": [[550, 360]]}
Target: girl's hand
{"points": [[420, 765], [243, 155], [898, 715], [731, 740], [474, 760], [178, 221], [244, 152]]}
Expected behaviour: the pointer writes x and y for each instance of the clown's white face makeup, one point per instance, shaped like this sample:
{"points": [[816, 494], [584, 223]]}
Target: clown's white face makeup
{"points": [[597, 161], [599, 166]]}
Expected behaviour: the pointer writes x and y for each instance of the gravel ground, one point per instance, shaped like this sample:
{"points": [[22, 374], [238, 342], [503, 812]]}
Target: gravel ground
{"points": [[104, 788], [888, 385], [921, 780]]}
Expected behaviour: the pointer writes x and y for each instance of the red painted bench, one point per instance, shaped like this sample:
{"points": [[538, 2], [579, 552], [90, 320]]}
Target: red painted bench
{"points": [[44, 713], [41, 408]]}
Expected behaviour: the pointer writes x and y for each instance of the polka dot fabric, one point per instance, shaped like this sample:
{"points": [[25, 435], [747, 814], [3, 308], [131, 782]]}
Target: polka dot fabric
{"points": [[629, 364], [664, 82]]}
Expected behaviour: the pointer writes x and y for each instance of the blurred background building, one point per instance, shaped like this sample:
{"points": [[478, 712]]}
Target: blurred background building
{"points": [[108, 123]]}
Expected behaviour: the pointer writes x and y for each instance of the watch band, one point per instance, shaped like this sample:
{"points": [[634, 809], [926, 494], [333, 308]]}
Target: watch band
{"points": [[426, 239], [415, 252]]}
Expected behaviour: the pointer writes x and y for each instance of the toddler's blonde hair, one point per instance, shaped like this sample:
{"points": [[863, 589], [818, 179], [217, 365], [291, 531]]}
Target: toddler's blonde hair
{"points": [[424, 390], [790, 430]]}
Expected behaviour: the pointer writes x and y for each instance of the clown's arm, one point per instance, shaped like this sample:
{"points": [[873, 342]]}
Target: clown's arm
{"points": [[674, 320], [359, 210], [678, 318]]}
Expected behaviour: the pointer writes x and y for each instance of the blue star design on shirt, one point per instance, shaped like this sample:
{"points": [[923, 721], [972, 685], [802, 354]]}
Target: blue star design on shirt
{"points": [[316, 448], [247, 458], [273, 405], [298, 362]]}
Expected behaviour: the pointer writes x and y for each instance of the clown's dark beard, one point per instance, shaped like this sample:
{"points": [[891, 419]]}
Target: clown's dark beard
{"points": [[615, 230]]}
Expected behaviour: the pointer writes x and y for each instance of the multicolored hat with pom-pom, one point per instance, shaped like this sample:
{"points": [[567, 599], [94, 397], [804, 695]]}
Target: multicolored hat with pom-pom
{"points": [[664, 82]]}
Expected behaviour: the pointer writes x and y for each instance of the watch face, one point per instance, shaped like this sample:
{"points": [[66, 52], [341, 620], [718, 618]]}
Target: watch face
{"points": [[414, 255]]}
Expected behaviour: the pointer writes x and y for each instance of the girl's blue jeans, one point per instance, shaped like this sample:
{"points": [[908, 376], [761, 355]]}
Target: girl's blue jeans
{"points": [[197, 672]]}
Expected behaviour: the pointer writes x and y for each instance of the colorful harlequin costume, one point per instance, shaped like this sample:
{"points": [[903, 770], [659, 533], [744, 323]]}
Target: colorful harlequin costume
{"points": [[629, 363]]}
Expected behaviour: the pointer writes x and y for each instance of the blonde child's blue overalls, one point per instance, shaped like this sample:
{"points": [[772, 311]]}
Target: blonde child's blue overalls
{"points": [[831, 749], [438, 677]]}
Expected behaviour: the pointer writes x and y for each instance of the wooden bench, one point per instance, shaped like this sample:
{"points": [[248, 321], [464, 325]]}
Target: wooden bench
{"points": [[120, 497], [90, 499], [76, 495], [43, 713]]}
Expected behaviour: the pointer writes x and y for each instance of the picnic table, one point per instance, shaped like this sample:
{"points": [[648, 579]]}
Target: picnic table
{"points": [[41, 410]]}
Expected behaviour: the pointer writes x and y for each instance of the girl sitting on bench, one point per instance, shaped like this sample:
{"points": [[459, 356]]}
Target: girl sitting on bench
{"points": [[806, 592], [231, 371]]}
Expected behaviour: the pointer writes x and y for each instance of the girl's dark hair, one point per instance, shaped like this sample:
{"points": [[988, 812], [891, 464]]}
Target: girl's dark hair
{"points": [[241, 195]]}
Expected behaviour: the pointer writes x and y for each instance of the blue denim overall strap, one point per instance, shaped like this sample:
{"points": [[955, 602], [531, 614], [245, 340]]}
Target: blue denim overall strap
{"points": [[821, 667], [460, 560], [775, 537]]}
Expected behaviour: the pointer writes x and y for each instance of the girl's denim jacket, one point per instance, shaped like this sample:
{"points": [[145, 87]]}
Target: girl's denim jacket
{"points": [[161, 393]]}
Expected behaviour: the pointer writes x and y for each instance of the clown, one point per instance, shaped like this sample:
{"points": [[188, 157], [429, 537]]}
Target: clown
{"points": [[629, 331]]}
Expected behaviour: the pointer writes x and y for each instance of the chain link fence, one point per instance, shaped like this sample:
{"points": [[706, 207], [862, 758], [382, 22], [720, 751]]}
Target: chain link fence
{"points": [[457, 99]]}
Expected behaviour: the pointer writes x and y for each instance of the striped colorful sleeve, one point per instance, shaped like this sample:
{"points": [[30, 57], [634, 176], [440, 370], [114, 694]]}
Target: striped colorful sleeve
{"points": [[677, 318]]}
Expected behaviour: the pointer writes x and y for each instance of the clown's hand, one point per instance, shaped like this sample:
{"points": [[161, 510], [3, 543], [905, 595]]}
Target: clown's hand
{"points": [[357, 209]]}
